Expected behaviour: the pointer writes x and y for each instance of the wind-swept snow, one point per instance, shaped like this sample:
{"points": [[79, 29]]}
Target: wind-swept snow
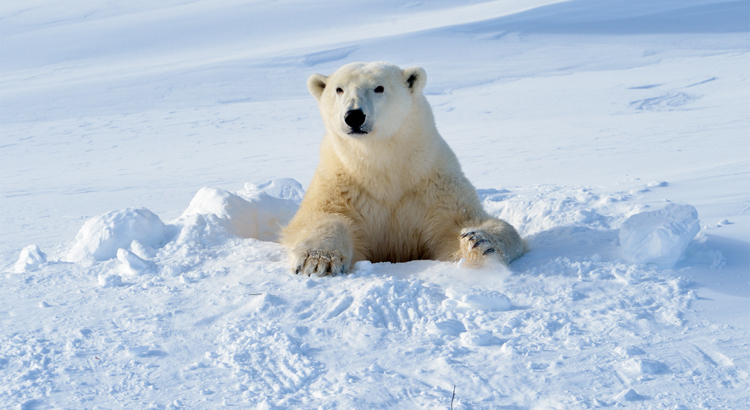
{"points": [[152, 151]]}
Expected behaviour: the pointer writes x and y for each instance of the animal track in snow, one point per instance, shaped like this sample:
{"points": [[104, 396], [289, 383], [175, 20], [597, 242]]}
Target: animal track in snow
{"points": [[266, 358], [393, 304], [666, 102]]}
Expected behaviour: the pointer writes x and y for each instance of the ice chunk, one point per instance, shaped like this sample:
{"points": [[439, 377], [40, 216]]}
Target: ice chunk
{"points": [[101, 236], [30, 259], [659, 237], [257, 216]]}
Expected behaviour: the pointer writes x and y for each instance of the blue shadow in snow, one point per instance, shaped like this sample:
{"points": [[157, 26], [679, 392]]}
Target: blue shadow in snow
{"points": [[618, 17]]}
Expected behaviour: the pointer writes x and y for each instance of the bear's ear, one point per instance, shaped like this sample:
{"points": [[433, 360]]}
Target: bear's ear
{"points": [[316, 84], [415, 79]]}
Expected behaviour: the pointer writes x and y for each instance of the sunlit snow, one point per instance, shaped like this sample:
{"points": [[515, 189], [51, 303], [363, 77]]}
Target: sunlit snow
{"points": [[152, 150]]}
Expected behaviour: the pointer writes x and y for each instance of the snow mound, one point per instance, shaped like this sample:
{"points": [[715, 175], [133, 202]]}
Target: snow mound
{"points": [[629, 395], [257, 212], [447, 327], [477, 338], [226, 209], [282, 188], [543, 208], [477, 299], [101, 236], [659, 237], [254, 214], [109, 280], [30, 259]]}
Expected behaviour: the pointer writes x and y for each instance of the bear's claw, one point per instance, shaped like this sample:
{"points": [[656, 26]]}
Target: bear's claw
{"points": [[320, 263], [478, 246], [479, 242]]}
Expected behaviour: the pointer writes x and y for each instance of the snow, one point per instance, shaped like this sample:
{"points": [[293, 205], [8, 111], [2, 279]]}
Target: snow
{"points": [[101, 237], [252, 213], [30, 259], [151, 151], [132, 263], [659, 237], [477, 299]]}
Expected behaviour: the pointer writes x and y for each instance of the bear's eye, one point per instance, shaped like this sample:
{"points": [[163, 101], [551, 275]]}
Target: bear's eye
{"points": [[379, 89], [339, 90]]}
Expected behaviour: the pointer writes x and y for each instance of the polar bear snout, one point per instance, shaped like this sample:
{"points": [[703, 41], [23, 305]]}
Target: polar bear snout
{"points": [[355, 119]]}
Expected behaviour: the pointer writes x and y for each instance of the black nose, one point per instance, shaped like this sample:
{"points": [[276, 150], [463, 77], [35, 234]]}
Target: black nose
{"points": [[354, 118]]}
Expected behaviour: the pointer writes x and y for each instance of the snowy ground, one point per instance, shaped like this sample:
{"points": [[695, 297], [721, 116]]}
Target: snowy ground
{"points": [[587, 124]]}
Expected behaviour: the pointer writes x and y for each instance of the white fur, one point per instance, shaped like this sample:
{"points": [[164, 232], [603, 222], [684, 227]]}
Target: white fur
{"points": [[392, 192]]}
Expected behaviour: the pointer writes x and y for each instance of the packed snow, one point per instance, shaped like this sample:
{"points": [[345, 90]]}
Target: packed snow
{"points": [[152, 151]]}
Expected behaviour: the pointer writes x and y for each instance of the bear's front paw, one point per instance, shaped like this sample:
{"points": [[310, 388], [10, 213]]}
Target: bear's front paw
{"points": [[320, 262], [478, 246]]}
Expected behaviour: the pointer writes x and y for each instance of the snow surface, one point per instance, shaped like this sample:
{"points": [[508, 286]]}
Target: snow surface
{"points": [[595, 127]]}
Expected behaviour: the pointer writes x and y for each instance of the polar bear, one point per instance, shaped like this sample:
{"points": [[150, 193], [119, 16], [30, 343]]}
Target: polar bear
{"points": [[388, 187]]}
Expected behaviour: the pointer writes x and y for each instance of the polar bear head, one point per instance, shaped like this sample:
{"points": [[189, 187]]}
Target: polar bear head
{"points": [[368, 100]]}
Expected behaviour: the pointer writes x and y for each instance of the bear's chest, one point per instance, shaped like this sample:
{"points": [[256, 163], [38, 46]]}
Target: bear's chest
{"points": [[393, 230]]}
